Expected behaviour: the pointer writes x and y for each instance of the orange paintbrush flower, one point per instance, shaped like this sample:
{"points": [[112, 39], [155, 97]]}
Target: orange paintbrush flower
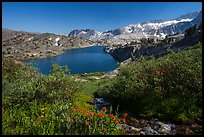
{"points": [[117, 122], [79, 110], [100, 115], [125, 114], [91, 114], [86, 123], [87, 112], [104, 108], [124, 120], [111, 116]]}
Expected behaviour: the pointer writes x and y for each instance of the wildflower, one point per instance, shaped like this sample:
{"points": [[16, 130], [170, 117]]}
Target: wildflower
{"points": [[91, 114], [117, 122], [87, 111], [100, 115], [125, 114], [85, 114], [124, 120], [104, 108], [111, 116], [79, 110], [86, 123], [74, 110]]}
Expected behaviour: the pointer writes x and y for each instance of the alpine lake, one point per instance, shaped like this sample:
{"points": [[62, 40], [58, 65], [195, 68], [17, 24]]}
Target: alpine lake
{"points": [[79, 61]]}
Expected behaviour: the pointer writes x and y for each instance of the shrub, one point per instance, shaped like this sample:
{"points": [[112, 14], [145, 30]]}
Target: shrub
{"points": [[169, 87], [25, 93]]}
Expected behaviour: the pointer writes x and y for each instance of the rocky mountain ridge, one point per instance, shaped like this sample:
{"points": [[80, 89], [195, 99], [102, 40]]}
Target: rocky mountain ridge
{"points": [[157, 29]]}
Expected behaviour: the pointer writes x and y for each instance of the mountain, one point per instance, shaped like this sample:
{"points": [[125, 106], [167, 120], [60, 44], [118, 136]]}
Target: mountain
{"points": [[151, 29], [90, 34], [182, 26], [23, 45], [189, 15], [198, 19]]}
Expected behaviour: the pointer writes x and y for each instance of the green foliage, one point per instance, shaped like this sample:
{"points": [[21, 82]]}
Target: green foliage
{"points": [[169, 87], [36, 104], [37, 119], [25, 87], [59, 70], [25, 92], [191, 30]]}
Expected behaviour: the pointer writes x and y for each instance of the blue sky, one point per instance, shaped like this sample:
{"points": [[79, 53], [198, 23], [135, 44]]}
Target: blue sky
{"points": [[62, 17]]}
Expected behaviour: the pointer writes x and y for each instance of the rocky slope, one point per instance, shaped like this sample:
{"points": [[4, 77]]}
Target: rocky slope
{"points": [[25, 45], [172, 43], [157, 29]]}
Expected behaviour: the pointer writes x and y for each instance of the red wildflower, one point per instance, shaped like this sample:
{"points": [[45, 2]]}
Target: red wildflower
{"points": [[124, 120], [79, 110], [117, 122], [87, 112], [104, 108], [91, 114], [111, 116], [125, 114], [100, 115]]}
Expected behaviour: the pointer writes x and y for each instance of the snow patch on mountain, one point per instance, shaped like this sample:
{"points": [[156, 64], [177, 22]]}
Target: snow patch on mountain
{"points": [[151, 29]]}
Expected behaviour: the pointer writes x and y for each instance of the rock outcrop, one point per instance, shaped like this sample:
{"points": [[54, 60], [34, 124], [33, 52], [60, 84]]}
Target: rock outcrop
{"points": [[127, 52]]}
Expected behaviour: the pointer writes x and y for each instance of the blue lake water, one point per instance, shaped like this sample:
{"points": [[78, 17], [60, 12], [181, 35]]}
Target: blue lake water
{"points": [[79, 61]]}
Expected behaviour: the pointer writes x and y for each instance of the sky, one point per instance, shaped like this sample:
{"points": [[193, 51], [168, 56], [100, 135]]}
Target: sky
{"points": [[63, 17]]}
